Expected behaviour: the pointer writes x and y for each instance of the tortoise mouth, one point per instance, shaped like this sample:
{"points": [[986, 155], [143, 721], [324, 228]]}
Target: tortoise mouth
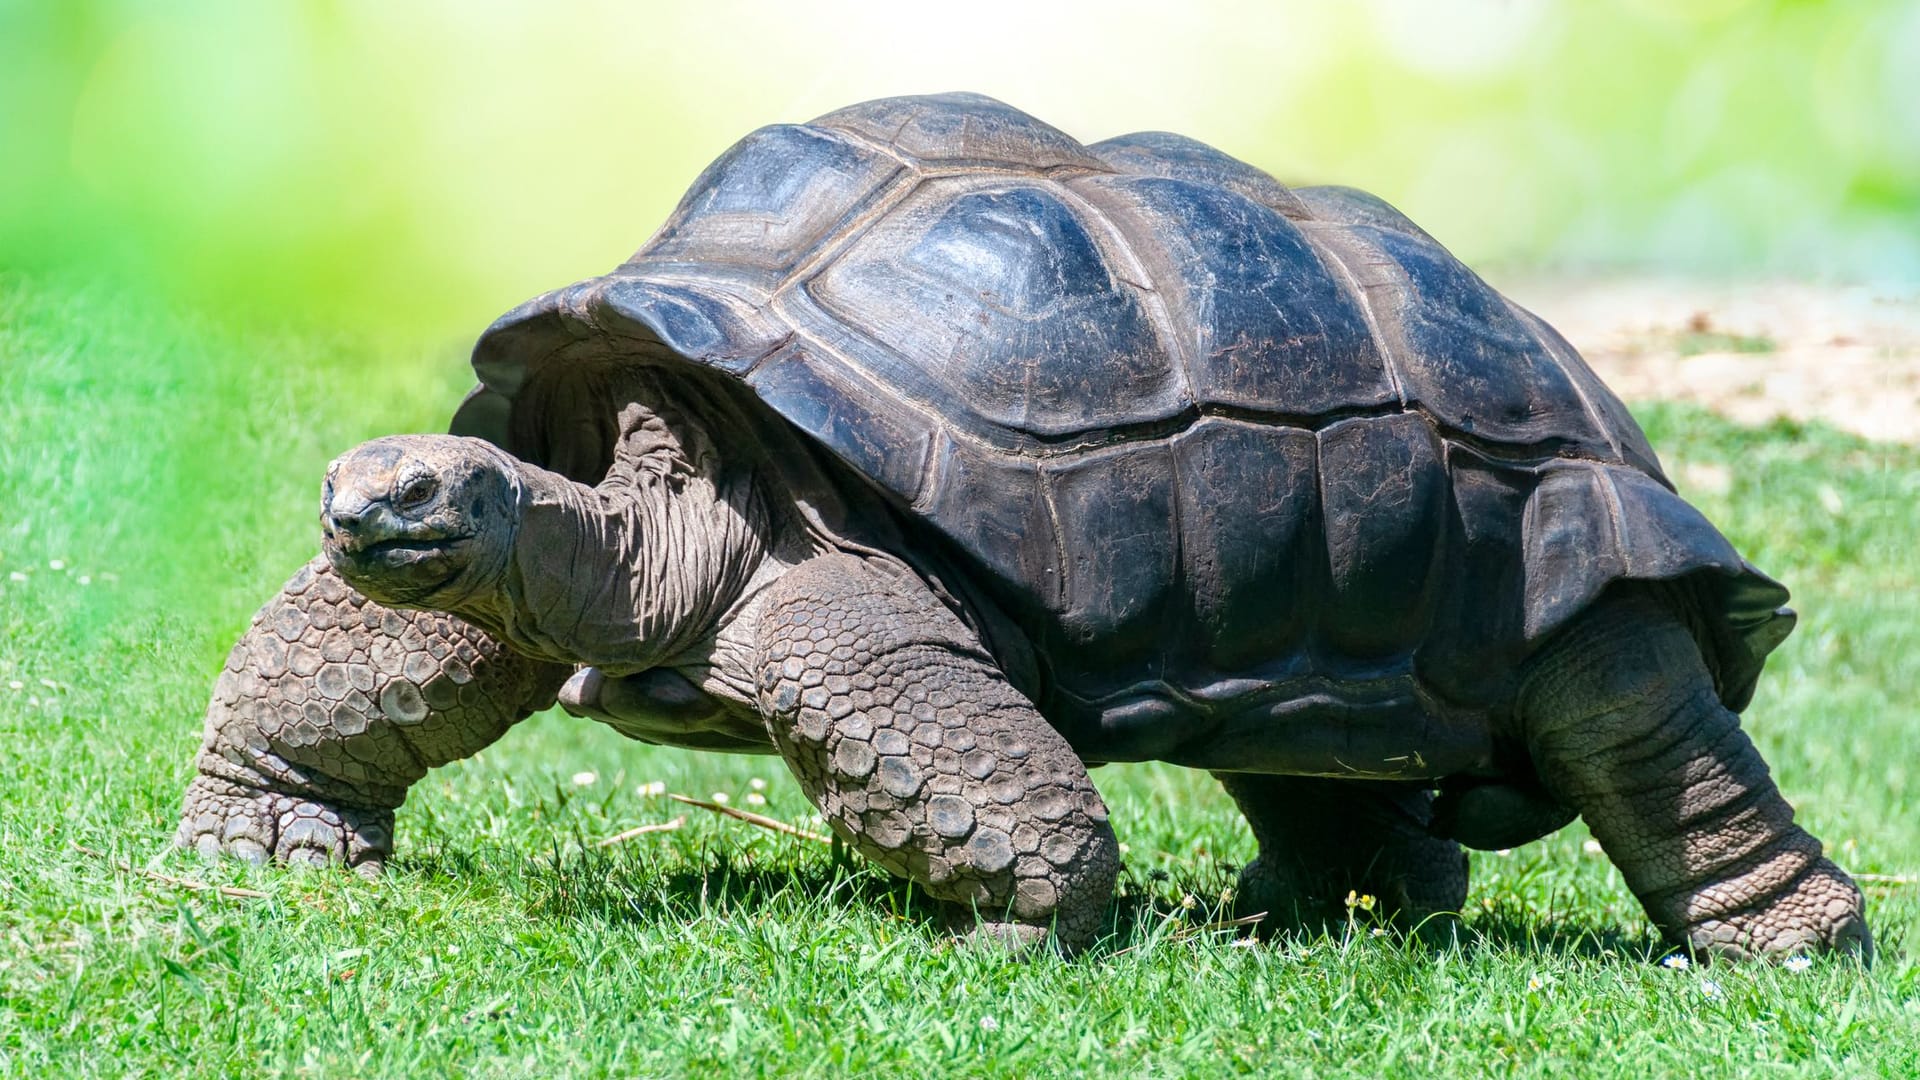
{"points": [[405, 550], [401, 568], [380, 532]]}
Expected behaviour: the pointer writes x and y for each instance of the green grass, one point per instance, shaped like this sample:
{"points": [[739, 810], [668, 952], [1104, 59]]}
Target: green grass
{"points": [[170, 465]]}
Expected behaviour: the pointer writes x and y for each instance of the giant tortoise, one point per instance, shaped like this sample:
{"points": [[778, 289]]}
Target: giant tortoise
{"points": [[945, 456]]}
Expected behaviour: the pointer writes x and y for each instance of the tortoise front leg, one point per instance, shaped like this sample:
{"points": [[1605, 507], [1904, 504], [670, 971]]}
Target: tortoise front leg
{"points": [[920, 755], [1624, 725], [329, 708], [1323, 838]]}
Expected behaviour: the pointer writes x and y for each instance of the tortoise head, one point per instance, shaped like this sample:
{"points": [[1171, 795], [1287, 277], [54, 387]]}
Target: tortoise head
{"points": [[421, 520]]}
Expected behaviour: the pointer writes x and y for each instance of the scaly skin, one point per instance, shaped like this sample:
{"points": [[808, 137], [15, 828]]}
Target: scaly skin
{"points": [[1623, 724], [920, 755], [1321, 838], [329, 708]]}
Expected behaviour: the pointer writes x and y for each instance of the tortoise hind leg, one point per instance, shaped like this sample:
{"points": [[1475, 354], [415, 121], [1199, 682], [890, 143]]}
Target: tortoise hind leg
{"points": [[1624, 725], [1322, 838], [1489, 815]]}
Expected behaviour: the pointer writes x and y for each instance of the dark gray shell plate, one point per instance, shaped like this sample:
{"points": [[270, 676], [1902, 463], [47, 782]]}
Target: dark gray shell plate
{"points": [[1238, 459]]}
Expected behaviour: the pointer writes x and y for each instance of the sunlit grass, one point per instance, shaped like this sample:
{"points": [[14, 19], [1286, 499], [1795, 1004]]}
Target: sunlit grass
{"points": [[167, 465]]}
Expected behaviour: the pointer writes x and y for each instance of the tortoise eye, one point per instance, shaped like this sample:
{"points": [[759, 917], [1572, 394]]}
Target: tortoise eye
{"points": [[418, 490]]}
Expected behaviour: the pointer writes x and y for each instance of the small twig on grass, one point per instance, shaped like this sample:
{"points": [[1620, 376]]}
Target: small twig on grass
{"points": [[1887, 880], [753, 819], [179, 883], [642, 830], [1190, 932], [1228, 924]]}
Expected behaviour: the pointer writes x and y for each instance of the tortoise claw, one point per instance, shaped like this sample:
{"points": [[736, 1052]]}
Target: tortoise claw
{"points": [[223, 818]]}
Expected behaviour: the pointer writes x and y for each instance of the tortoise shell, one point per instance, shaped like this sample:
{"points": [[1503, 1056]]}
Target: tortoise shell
{"points": [[1229, 454]]}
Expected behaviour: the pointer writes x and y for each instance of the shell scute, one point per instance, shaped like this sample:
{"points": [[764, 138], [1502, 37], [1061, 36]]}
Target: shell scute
{"points": [[1351, 206], [883, 440], [769, 200], [959, 128], [1266, 324], [1462, 354], [703, 324], [991, 505], [1177, 157], [1384, 499], [1121, 563], [1000, 294], [1249, 502]]}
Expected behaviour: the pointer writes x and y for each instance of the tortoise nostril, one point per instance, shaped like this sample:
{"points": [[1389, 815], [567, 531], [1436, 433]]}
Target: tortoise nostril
{"points": [[346, 513], [344, 525]]}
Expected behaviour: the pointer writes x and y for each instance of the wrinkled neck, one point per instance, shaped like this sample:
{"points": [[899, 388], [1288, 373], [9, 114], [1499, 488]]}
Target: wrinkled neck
{"points": [[627, 575]]}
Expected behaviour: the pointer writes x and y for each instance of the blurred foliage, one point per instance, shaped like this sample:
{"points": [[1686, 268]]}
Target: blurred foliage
{"points": [[427, 165]]}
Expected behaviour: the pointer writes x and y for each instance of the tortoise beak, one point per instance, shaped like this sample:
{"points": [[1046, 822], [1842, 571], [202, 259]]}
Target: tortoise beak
{"points": [[381, 552], [354, 523]]}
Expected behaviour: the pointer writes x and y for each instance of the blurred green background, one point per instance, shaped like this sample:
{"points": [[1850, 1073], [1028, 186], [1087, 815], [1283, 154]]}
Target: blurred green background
{"points": [[423, 166]]}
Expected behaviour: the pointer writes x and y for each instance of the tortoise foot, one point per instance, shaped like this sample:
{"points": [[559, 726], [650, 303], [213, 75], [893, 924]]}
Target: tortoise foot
{"points": [[1819, 913], [221, 817]]}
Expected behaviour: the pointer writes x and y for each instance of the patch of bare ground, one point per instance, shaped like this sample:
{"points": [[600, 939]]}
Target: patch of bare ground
{"points": [[1847, 355]]}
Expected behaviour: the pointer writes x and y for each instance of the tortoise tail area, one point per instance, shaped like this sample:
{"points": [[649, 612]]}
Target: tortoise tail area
{"points": [[1589, 525], [1586, 528]]}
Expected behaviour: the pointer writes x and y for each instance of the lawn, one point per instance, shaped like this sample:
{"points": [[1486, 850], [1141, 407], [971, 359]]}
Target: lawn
{"points": [[158, 480]]}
